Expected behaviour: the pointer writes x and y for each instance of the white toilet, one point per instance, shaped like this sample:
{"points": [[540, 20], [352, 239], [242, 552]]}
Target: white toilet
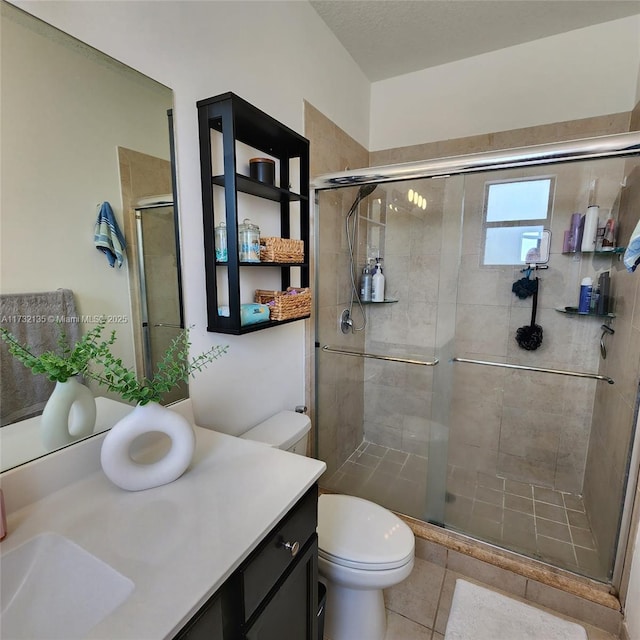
{"points": [[362, 547]]}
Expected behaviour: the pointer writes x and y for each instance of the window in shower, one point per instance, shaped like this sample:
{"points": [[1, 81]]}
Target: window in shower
{"points": [[515, 215]]}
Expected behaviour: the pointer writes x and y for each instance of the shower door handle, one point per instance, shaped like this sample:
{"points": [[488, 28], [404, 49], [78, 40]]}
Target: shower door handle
{"points": [[521, 367], [376, 356]]}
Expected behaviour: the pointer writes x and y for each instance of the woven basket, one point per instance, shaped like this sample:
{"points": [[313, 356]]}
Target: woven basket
{"points": [[285, 305], [281, 250]]}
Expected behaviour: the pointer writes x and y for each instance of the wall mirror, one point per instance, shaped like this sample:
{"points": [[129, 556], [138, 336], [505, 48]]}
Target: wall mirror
{"points": [[79, 129]]}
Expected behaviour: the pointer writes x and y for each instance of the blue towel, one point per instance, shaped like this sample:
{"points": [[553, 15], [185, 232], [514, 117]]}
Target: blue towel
{"points": [[107, 236], [632, 254]]}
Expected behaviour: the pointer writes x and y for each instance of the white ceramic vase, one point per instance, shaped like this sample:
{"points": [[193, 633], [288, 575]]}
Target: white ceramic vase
{"points": [[124, 471], [70, 414]]}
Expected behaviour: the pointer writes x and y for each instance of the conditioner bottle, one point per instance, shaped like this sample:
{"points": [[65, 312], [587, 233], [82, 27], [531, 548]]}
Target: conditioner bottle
{"points": [[377, 292]]}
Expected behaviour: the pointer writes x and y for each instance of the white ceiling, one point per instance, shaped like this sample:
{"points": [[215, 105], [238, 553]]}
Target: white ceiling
{"points": [[388, 38]]}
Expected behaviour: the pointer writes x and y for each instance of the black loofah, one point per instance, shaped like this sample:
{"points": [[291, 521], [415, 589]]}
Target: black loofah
{"points": [[530, 337], [524, 287]]}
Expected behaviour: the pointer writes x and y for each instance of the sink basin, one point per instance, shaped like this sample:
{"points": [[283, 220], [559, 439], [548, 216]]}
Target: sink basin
{"points": [[51, 588]]}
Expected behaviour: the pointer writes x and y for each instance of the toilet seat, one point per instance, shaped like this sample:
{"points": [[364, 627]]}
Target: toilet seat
{"points": [[360, 534], [364, 566]]}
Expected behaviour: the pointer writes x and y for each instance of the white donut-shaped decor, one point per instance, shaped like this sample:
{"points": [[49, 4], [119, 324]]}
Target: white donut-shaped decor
{"points": [[115, 456]]}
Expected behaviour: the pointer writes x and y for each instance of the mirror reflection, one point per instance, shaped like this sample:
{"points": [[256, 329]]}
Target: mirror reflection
{"points": [[80, 129]]}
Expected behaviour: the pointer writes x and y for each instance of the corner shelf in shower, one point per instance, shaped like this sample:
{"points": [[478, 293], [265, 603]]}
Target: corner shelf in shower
{"points": [[573, 311], [616, 251], [379, 223], [385, 301], [225, 122]]}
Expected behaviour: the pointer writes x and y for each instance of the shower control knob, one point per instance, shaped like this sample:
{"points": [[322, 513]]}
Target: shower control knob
{"points": [[294, 547]]}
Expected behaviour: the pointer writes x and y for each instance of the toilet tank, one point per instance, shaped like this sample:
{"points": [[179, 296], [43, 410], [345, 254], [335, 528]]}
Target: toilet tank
{"points": [[286, 430]]}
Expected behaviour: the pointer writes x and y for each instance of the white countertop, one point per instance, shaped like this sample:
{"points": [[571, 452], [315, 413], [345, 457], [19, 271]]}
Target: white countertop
{"points": [[178, 543]]}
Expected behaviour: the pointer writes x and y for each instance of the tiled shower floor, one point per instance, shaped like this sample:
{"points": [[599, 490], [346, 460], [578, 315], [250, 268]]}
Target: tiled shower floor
{"points": [[542, 523]]}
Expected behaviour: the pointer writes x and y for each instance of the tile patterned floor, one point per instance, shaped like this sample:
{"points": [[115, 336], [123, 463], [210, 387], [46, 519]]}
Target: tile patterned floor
{"points": [[539, 522], [424, 616]]}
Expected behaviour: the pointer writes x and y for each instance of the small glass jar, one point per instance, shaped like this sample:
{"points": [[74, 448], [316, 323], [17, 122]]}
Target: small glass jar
{"points": [[220, 236], [248, 242]]}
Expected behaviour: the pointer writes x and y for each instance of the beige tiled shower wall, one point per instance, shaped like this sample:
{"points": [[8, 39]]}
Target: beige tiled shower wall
{"points": [[339, 388]]}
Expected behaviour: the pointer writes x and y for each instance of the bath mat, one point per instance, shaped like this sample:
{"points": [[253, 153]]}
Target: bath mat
{"points": [[480, 614]]}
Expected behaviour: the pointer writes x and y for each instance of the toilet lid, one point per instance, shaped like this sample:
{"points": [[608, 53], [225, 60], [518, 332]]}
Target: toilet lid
{"points": [[358, 533]]}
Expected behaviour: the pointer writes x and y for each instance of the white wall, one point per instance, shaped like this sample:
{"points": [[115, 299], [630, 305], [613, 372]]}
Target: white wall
{"points": [[273, 54], [578, 74]]}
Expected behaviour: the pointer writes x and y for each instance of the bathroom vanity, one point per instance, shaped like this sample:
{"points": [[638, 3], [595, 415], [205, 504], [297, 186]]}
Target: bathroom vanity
{"points": [[273, 594], [226, 551]]}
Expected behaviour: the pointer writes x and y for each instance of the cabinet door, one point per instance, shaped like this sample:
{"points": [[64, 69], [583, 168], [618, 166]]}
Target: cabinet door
{"points": [[291, 613], [206, 624]]}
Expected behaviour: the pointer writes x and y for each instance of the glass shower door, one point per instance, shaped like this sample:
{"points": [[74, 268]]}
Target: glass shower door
{"points": [[535, 463], [382, 408], [159, 276]]}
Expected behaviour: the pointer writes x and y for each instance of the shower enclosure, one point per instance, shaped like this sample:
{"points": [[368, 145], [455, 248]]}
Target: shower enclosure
{"points": [[160, 297], [426, 403]]}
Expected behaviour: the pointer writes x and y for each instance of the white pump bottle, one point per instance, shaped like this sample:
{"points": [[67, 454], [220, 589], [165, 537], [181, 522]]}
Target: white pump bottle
{"points": [[377, 284]]}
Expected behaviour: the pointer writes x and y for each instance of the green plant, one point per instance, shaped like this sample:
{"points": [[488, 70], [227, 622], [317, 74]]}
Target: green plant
{"points": [[67, 362], [174, 367]]}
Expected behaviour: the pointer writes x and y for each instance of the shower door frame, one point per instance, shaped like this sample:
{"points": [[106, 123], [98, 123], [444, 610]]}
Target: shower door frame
{"points": [[602, 147]]}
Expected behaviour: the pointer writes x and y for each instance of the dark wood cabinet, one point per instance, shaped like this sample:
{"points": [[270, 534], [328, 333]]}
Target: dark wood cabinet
{"points": [[291, 612], [273, 595], [226, 124], [207, 623]]}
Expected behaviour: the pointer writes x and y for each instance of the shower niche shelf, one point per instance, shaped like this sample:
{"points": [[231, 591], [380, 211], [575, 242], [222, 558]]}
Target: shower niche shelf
{"points": [[616, 251], [385, 301], [229, 126], [573, 311]]}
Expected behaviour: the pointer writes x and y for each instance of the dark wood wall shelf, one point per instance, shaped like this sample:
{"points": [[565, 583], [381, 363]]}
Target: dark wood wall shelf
{"points": [[240, 122]]}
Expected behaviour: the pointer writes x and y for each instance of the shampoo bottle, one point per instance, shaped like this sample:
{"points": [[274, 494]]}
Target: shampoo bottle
{"points": [[586, 286], [365, 284], [377, 291], [609, 239], [590, 228], [603, 301]]}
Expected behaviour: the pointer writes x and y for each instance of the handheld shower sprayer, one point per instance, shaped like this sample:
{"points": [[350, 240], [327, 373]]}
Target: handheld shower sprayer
{"points": [[346, 321], [364, 191]]}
